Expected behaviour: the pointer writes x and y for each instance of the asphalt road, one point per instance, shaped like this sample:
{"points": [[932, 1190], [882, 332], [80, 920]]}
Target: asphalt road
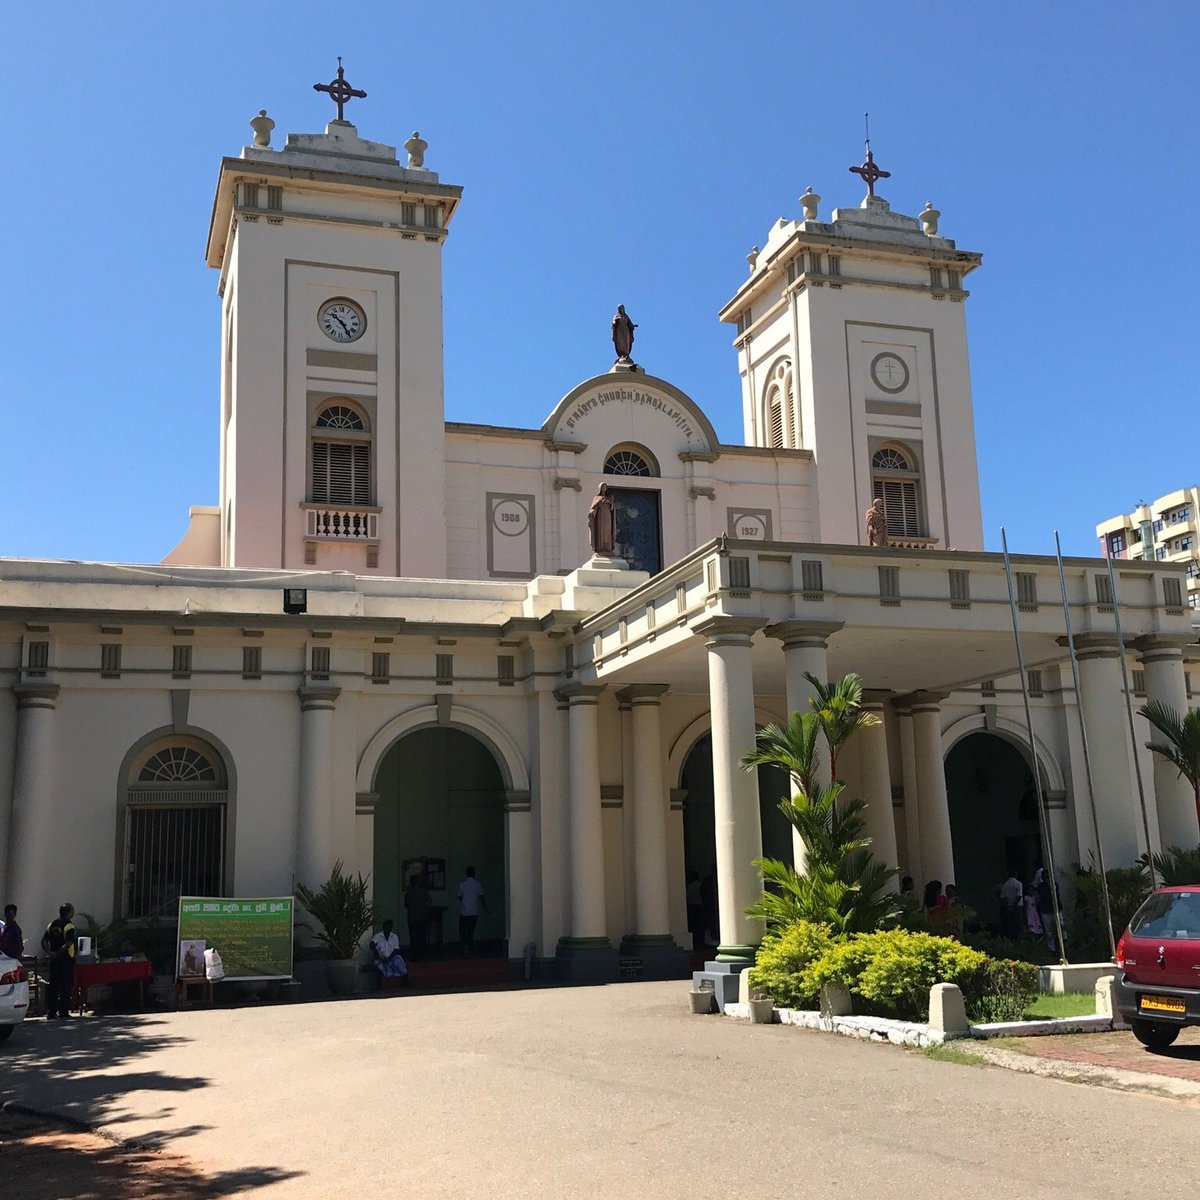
{"points": [[608, 1092]]}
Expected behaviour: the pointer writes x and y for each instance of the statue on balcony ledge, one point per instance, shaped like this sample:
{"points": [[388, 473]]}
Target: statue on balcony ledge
{"points": [[877, 533], [602, 523]]}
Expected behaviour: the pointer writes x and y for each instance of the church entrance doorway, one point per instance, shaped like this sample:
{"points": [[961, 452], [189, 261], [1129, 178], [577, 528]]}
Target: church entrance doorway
{"points": [[993, 819], [700, 836], [638, 528], [440, 811]]}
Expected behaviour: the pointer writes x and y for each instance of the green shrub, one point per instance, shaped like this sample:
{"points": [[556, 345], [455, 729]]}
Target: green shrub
{"points": [[783, 962], [1002, 991], [1175, 867], [342, 910], [889, 973], [1087, 938], [1026, 949]]}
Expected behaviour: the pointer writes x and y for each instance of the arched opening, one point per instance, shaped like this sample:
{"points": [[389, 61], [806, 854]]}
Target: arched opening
{"points": [[340, 455], [630, 459], [175, 826], [441, 810], [896, 479], [993, 818], [700, 837]]}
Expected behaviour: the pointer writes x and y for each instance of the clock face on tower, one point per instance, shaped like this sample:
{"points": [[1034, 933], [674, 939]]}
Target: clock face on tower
{"points": [[342, 320]]}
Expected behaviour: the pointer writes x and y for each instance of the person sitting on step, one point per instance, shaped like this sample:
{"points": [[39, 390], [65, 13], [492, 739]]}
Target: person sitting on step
{"points": [[385, 951]]}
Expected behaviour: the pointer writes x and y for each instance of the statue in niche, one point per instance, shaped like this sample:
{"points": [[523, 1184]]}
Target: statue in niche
{"points": [[622, 334], [602, 523], [877, 534]]}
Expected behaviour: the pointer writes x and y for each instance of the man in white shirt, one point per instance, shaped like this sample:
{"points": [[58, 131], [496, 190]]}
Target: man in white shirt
{"points": [[471, 902], [385, 950]]}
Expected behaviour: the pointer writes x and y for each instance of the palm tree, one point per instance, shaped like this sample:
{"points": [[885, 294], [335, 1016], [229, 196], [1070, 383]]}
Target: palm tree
{"points": [[1182, 747], [838, 706], [843, 885]]}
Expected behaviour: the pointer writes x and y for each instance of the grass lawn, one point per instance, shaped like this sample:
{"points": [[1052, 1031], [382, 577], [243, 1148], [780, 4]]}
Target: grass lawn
{"points": [[1069, 1004]]}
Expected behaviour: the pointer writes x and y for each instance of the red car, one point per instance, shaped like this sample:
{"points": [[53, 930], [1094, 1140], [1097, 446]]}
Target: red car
{"points": [[1158, 957]]}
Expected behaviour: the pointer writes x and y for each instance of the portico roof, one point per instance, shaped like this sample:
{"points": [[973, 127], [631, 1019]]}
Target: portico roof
{"points": [[904, 620]]}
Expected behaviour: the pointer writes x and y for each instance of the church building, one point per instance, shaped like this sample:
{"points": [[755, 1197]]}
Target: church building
{"points": [[392, 642]]}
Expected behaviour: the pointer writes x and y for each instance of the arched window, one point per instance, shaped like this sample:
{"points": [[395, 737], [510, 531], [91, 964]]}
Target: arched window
{"points": [[895, 480], [175, 826], [340, 458], [630, 460], [779, 421], [178, 764]]}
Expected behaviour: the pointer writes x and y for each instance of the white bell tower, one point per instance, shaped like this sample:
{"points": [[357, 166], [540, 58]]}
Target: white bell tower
{"points": [[332, 411], [852, 343]]}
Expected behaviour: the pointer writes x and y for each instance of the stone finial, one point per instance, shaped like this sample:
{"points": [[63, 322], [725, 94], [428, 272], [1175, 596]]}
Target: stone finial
{"points": [[262, 126], [416, 147], [809, 201], [752, 258], [929, 219]]}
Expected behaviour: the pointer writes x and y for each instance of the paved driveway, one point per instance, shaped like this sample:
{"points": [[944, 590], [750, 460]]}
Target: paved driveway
{"points": [[612, 1091]]}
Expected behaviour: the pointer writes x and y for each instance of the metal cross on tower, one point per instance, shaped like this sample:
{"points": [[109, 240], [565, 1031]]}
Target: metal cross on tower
{"points": [[339, 90], [870, 172]]}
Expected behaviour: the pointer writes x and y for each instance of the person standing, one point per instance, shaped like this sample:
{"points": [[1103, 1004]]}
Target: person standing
{"points": [[1012, 899], [471, 902], [12, 940], [59, 943], [1045, 907], [418, 904]]}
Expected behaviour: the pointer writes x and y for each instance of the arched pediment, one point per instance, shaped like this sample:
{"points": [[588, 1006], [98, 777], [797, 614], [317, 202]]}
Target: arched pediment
{"points": [[630, 406]]}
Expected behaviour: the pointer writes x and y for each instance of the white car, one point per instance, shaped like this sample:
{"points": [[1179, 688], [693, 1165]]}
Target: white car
{"points": [[14, 995]]}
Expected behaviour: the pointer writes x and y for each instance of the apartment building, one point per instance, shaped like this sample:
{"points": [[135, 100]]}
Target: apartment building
{"points": [[1164, 531]]}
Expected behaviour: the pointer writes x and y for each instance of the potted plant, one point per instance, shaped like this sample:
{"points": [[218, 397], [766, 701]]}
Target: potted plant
{"points": [[344, 914], [762, 1008]]}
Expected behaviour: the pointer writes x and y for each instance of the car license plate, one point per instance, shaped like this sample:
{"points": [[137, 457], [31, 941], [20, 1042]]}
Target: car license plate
{"points": [[1165, 1004]]}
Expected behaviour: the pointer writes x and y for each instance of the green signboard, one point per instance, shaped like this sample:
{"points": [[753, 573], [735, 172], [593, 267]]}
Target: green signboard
{"points": [[253, 937]]}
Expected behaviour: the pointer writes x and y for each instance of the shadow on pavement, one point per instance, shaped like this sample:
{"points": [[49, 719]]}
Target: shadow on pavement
{"points": [[79, 1070], [51, 1162]]}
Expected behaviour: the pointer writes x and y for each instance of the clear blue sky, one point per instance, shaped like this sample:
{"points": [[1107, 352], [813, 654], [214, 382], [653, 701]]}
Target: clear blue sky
{"points": [[609, 154]]}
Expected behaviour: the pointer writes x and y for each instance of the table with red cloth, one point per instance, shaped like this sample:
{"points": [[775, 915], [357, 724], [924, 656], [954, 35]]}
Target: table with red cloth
{"points": [[108, 971]]}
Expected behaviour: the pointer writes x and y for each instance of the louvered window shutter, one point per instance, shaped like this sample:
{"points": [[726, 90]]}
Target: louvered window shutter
{"points": [[774, 420], [320, 472], [362, 473], [341, 473], [900, 505]]}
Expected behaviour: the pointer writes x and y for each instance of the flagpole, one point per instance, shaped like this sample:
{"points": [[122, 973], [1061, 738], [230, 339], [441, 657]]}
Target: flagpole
{"points": [[1043, 814], [1137, 766], [1087, 758]]}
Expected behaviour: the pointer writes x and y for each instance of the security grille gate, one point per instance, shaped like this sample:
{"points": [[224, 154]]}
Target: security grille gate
{"points": [[174, 846], [174, 830]]}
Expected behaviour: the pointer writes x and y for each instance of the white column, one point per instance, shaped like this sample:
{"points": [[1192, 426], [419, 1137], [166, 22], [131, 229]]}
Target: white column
{"points": [[876, 776], [912, 818], [314, 828], [805, 652], [522, 878], [649, 812], [586, 833], [937, 847], [1102, 699], [676, 870], [1162, 665], [34, 829], [364, 839], [735, 791]]}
